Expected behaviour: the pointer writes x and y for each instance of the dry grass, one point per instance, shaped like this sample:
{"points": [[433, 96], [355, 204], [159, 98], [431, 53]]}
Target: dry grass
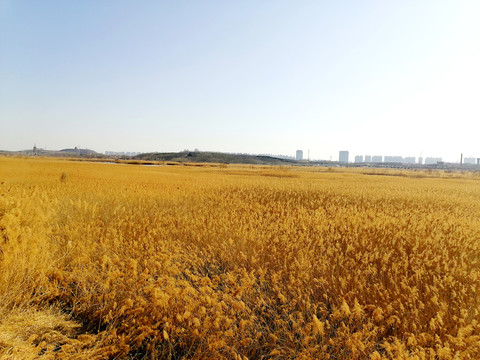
{"points": [[116, 262], [26, 333]]}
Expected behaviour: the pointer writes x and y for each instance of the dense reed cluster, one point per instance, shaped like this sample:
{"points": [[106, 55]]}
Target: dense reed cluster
{"points": [[103, 261]]}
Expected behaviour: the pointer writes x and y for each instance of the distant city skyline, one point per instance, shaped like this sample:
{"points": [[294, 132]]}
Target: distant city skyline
{"points": [[253, 77], [403, 160], [343, 156], [467, 158]]}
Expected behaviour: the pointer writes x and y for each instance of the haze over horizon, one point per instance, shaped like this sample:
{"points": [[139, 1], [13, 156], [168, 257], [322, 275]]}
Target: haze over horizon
{"points": [[374, 78]]}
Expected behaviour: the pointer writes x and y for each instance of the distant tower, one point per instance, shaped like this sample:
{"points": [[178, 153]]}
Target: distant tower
{"points": [[299, 155], [35, 149], [343, 157], [461, 159]]}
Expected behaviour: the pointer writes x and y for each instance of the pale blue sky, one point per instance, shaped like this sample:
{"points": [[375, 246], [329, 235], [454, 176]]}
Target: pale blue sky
{"points": [[371, 77]]}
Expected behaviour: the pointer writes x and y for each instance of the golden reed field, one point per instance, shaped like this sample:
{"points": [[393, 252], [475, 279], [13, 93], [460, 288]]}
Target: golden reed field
{"points": [[116, 261]]}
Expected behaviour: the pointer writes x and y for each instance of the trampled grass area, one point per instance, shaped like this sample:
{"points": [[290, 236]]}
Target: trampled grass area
{"points": [[101, 261]]}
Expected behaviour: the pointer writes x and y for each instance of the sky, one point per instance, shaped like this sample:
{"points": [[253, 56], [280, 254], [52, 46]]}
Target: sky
{"points": [[371, 77]]}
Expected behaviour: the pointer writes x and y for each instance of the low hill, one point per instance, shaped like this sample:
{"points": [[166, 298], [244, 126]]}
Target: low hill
{"points": [[81, 152], [87, 153], [215, 157]]}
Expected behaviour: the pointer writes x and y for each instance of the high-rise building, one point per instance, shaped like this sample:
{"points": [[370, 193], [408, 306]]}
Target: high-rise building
{"points": [[359, 158], [343, 157], [299, 155], [393, 159], [409, 160], [469, 160], [368, 158], [377, 159], [432, 160], [420, 161]]}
